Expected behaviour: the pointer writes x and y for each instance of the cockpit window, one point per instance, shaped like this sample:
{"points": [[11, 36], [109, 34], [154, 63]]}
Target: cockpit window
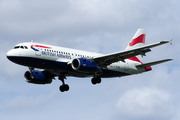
{"points": [[22, 47], [16, 47]]}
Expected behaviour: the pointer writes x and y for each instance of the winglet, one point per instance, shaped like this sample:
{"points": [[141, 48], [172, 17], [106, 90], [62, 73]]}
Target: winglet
{"points": [[171, 41]]}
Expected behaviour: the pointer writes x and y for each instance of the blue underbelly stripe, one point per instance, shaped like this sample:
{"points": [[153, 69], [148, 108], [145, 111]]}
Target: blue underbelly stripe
{"points": [[55, 65]]}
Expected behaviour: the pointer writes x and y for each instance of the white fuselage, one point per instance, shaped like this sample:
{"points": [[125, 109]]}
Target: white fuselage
{"points": [[44, 56]]}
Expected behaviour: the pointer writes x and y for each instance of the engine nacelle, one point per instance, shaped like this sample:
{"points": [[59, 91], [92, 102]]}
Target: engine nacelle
{"points": [[84, 65], [37, 77]]}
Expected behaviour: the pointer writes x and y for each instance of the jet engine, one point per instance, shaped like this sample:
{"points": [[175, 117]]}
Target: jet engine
{"points": [[37, 77], [84, 65]]}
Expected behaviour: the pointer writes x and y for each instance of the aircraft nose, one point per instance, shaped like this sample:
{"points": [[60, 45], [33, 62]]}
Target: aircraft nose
{"points": [[15, 56], [9, 54]]}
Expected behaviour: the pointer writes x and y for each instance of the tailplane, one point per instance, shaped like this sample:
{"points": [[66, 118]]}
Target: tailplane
{"points": [[138, 40], [153, 63]]}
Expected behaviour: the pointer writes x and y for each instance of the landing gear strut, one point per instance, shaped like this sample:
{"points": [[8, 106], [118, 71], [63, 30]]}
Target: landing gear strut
{"points": [[31, 69], [96, 80], [63, 87], [30, 72]]}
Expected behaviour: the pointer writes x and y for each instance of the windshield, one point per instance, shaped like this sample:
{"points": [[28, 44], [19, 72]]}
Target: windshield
{"points": [[20, 47]]}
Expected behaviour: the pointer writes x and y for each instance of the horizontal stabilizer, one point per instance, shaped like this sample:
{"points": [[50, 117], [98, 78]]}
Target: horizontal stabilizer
{"points": [[153, 63]]}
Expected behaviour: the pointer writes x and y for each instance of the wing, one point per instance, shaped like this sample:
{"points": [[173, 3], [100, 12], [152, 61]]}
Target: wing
{"points": [[108, 59]]}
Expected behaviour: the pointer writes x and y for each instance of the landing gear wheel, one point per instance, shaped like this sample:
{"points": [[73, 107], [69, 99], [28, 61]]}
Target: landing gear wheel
{"points": [[96, 80], [63, 88], [93, 81], [66, 87]]}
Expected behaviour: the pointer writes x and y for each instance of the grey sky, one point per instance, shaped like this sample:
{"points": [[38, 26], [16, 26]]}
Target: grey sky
{"points": [[103, 26]]}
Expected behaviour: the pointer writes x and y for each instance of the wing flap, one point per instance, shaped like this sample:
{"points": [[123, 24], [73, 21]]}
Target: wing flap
{"points": [[153, 63]]}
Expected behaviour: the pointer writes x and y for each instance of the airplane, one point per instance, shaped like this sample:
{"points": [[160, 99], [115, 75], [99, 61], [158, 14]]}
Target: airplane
{"points": [[45, 62]]}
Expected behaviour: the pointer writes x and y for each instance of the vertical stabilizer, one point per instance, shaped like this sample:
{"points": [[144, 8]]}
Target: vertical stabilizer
{"points": [[138, 40]]}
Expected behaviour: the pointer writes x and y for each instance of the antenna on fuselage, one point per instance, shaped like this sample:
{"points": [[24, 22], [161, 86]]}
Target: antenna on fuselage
{"points": [[31, 41]]}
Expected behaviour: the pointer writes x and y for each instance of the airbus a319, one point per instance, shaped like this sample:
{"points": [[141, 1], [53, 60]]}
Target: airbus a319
{"points": [[45, 62]]}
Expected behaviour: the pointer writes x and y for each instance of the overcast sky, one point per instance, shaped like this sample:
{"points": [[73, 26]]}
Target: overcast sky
{"points": [[103, 26]]}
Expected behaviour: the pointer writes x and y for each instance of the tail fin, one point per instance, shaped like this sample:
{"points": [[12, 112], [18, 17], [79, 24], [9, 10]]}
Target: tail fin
{"points": [[138, 40]]}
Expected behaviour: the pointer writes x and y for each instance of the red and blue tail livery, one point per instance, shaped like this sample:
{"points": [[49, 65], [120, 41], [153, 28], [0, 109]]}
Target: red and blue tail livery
{"points": [[45, 62]]}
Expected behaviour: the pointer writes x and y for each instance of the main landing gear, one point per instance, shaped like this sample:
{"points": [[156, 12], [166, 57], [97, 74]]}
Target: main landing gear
{"points": [[96, 80], [63, 87]]}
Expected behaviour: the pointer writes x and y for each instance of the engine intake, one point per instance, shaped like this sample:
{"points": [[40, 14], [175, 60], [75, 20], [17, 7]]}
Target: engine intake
{"points": [[84, 65], [37, 77]]}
